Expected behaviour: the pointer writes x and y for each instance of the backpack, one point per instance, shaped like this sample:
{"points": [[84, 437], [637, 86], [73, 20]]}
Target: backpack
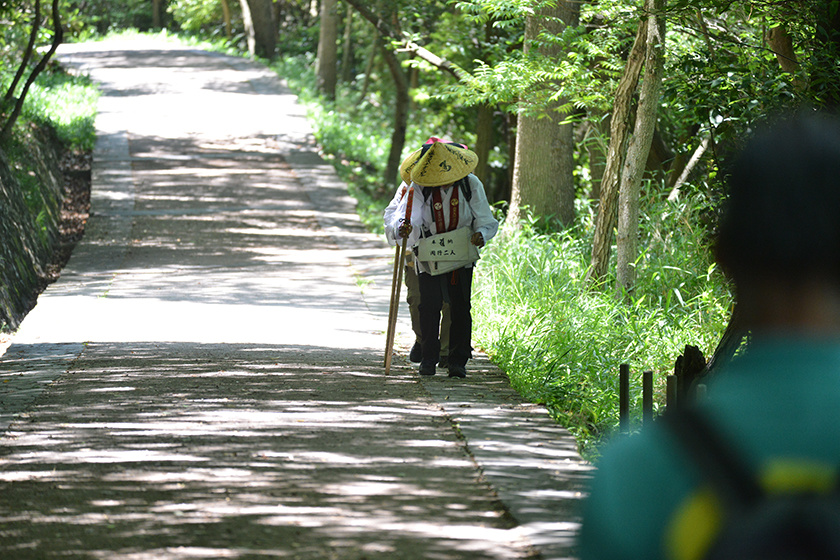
{"points": [[466, 190], [463, 184], [793, 524]]}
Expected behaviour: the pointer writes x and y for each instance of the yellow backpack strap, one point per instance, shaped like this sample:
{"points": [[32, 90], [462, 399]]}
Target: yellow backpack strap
{"points": [[731, 487], [733, 491]]}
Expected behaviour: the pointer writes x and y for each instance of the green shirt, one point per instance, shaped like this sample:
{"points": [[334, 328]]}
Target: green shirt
{"points": [[779, 403]]}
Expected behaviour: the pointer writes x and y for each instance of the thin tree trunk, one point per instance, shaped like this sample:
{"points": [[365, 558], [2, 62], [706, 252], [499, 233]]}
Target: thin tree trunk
{"points": [[375, 47], [692, 163], [327, 49], [157, 20], [227, 17], [347, 51], [484, 141], [401, 109], [27, 55], [619, 127], [639, 148], [387, 26], [58, 37]]}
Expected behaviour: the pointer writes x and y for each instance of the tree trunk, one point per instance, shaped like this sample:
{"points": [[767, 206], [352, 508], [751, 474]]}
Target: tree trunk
{"points": [[328, 49], [347, 51], [639, 147], [781, 44], [619, 126], [258, 18], [157, 20], [227, 17], [484, 141], [248, 24], [375, 48], [689, 167], [401, 109], [543, 177], [58, 37], [27, 56], [387, 25]]}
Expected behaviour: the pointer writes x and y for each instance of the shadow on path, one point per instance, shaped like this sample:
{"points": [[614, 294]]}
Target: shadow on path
{"points": [[205, 379]]}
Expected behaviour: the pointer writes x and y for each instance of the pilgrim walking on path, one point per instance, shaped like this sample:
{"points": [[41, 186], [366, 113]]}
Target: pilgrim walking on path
{"points": [[449, 205]]}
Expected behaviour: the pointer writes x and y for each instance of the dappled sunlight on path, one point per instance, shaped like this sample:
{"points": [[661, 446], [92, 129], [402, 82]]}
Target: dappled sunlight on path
{"points": [[206, 378], [161, 446]]}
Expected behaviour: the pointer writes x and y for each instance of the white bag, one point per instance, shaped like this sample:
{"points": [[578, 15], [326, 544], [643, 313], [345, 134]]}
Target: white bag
{"points": [[447, 251]]}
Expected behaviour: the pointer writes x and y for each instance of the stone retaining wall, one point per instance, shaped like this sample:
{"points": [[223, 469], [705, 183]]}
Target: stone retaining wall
{"points": [[30, 211]]}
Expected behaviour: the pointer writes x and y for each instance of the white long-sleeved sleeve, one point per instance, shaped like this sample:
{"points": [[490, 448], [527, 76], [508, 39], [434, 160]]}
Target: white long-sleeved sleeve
{"points": [[391, 216], [485, 223]]}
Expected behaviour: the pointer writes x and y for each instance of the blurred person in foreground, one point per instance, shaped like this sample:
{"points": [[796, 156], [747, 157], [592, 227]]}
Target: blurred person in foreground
{"points": [[777, 405]]}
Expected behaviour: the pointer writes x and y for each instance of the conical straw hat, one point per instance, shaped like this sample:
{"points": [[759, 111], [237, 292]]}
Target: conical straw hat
{"points": [[442, 164], [408, 164]]}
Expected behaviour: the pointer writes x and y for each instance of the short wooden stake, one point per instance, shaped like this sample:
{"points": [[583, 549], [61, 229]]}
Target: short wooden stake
{"points": [[671, 393], [624, 398], [647, 398]]}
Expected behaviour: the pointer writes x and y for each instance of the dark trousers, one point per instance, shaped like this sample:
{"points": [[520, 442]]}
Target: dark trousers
{"points": [[454, 288]]}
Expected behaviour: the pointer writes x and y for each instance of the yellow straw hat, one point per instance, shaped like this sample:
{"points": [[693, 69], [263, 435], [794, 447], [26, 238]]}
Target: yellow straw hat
{"points": [[441, 164], [408, 164]]}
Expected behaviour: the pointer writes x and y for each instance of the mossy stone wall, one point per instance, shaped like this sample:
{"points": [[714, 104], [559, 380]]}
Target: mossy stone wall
{"points": [[30, 212]]}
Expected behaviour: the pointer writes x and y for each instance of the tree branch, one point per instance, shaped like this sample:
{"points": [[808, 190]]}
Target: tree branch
{"points": [[27, 54], [403, 45], [58, 37], [434, 59]]}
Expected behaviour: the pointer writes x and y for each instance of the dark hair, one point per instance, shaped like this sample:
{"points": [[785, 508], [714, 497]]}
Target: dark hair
{"points": [[782, 217]]}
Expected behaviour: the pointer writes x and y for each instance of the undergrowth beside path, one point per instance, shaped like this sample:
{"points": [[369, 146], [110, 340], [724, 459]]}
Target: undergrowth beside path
{"points": [[561, 342]]}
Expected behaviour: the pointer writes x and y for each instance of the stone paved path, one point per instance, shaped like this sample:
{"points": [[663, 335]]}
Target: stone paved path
{"points": [[205, 380]]}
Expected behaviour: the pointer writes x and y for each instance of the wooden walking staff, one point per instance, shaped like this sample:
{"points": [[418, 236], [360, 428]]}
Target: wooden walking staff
{"points": [[396, 284]]}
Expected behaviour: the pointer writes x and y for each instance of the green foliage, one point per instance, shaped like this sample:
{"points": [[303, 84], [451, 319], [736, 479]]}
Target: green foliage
{"points": [[196, 15], [66, 102], [204, 17], [354, 131], [561, 343], [86, 18]]}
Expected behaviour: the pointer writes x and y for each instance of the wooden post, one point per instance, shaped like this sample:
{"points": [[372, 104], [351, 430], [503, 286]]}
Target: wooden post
{"points": [[671, 393], [647, 398], [624, 398]]}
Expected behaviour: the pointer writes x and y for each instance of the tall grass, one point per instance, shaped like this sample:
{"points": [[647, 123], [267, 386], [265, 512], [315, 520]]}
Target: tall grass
{"points": [[561, 341], [65, 102], [69, 103]]}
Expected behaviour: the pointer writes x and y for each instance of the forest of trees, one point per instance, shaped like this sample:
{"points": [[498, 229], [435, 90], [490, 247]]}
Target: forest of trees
{"points": [[575, 107], [562, 99]]}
